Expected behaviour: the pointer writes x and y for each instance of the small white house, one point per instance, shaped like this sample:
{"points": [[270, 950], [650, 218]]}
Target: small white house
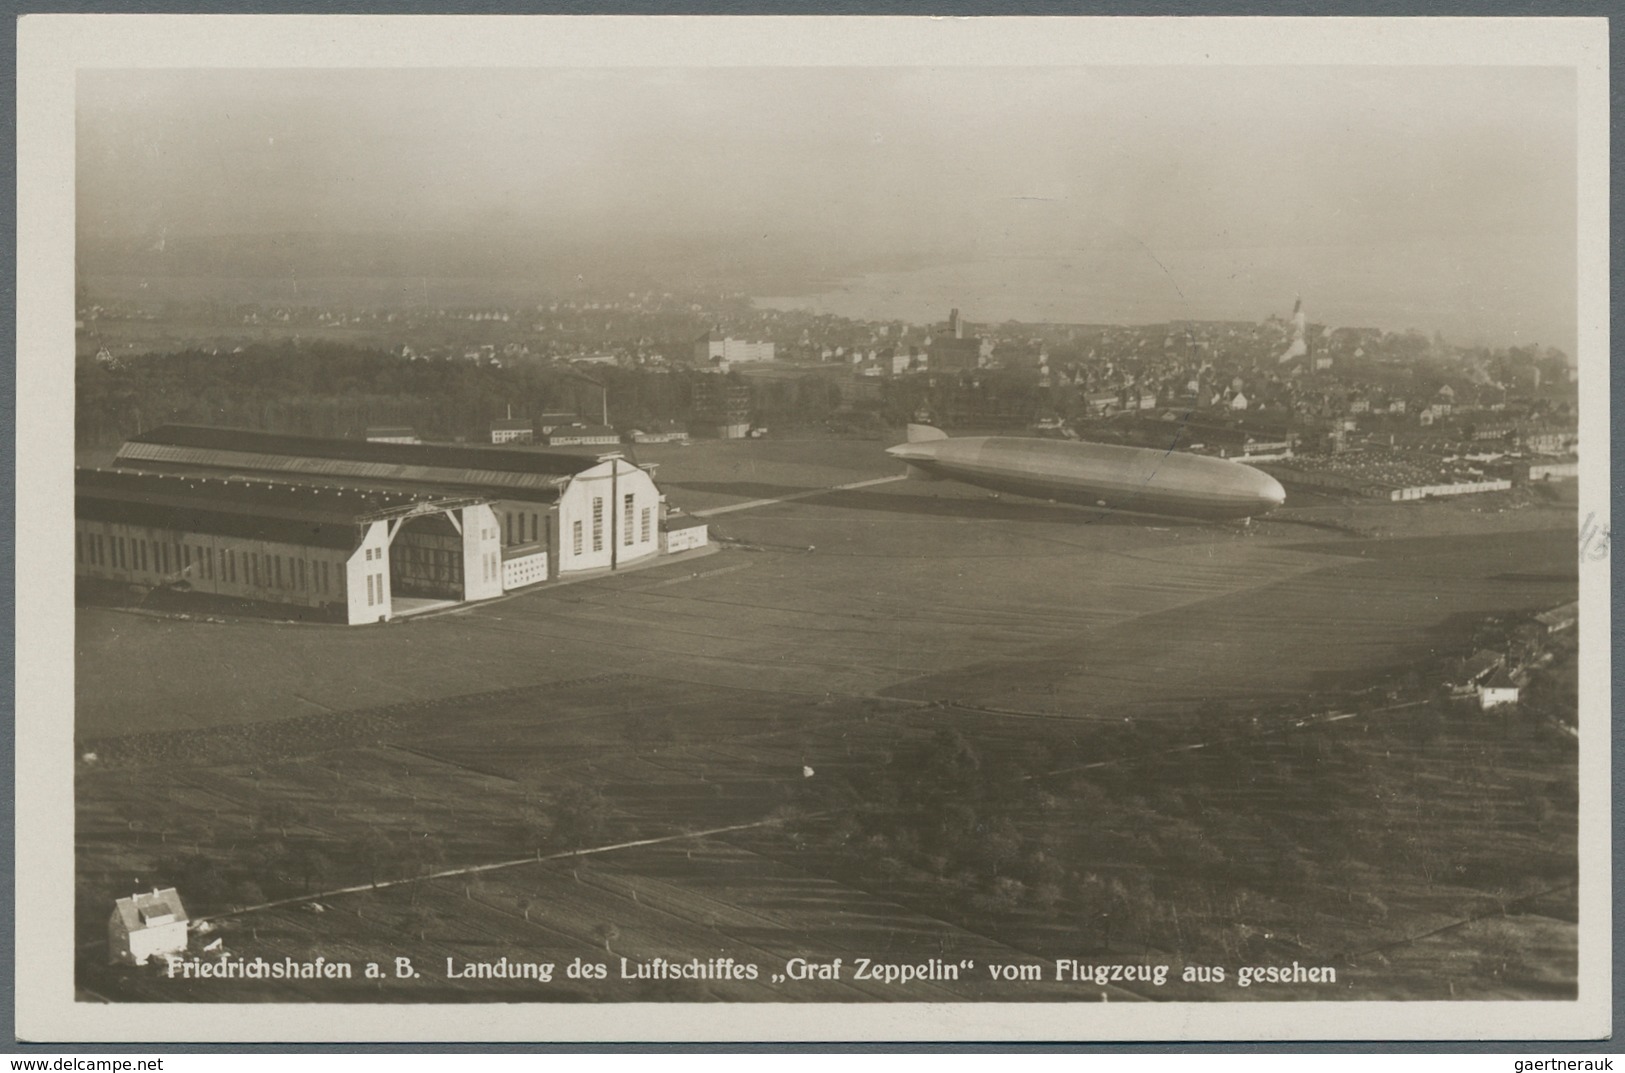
{"points": [[144, 925], [682, 532], [1499, 690]]}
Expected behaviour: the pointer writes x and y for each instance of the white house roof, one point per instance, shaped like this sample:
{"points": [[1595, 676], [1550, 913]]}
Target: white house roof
{"points": [[150, 909]]}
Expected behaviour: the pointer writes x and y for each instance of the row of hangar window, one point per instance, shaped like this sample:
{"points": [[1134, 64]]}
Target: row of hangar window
{"points": [[517, 528], [645, 529], [165, 557]]}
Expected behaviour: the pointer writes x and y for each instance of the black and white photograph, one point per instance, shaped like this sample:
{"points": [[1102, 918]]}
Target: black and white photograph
{"points": [[710, 528]]}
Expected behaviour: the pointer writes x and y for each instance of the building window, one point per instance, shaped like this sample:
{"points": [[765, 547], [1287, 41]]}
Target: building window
{"points": [[78, 547], [370, 600], [597, 523], [144, 559], [576, 531], [231, 561], [626, 524], [643, 535]]}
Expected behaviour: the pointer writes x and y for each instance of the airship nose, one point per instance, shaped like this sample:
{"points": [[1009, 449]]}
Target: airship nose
{"points": [[1272, 492]]}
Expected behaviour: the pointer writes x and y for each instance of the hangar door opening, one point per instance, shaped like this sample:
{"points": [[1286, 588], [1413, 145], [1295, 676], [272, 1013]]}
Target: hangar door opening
{"points": [[426, 559]]}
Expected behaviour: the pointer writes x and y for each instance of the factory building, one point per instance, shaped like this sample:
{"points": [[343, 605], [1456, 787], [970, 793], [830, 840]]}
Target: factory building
{"points": [[350, 554], [714, 346], [556, 514], [513, 430]]}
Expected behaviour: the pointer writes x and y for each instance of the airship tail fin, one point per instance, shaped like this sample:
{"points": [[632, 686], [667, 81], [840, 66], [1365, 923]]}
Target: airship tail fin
{"points": [[925, 433]]}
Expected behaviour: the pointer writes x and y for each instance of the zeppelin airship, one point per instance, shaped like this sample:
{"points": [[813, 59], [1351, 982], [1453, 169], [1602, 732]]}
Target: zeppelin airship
{"points": [[1137, 479]]}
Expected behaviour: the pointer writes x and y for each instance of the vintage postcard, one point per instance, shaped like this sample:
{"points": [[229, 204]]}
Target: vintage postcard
{"points": [[596, 529]]}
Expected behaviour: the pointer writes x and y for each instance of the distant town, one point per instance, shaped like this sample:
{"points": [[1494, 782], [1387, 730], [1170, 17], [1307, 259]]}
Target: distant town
{"points": [[1350, 409]]}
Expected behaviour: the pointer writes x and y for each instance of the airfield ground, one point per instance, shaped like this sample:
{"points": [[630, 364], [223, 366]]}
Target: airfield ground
{"points": [[831, 633]]}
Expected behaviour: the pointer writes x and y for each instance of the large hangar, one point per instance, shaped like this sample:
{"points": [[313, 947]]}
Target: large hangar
{"points": [[558, 514], [351, 554]]}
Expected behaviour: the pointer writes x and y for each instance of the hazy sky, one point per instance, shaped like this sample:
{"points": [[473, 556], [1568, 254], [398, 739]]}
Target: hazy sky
{"points": [[1429, 197]]}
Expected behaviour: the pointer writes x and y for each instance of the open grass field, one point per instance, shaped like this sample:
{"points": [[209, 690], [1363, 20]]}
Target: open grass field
{"points": [[836, 633]]}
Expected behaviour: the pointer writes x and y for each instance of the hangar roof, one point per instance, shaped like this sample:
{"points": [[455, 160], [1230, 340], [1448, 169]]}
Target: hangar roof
{"points": [[427, 456], [492, 472], [514, 474], [546, 494], [322, 516]]}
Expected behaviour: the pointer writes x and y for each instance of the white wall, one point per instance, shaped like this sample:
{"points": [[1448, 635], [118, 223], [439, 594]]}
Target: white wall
{"points": [[482, 552], [371, 559], [522, 570], [685, 539], [1460, 489], [576, 507], [135, 948]]}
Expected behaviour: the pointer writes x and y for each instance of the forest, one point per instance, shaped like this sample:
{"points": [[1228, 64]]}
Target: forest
{"points": [[327, 389], [332, 389]]}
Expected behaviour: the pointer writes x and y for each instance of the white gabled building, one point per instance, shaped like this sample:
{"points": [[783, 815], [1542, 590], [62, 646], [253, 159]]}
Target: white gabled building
{"points": [[144, 926], [516, 516]]}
